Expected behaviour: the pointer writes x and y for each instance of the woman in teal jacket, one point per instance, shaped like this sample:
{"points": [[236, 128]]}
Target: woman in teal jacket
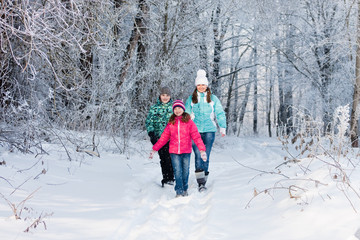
{"points": [[204, 108], [156, 121]]}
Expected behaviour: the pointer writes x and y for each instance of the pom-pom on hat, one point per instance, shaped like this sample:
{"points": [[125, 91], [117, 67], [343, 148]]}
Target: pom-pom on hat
{"points": [[201, 78], [178, 103]]}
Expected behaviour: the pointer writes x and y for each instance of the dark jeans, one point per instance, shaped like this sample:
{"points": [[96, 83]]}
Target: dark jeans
{"points": [[165, 163], [208, 139], [181, 164]]}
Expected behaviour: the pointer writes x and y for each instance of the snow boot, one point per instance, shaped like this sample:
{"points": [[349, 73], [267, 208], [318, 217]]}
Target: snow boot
{"points": [[184, 194], [168, 182], [201, 180], [206, 176], [202, 187]]}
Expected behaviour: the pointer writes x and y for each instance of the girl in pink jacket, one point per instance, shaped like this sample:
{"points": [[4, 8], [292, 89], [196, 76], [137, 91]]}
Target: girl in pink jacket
{"points": [[180, 131]]}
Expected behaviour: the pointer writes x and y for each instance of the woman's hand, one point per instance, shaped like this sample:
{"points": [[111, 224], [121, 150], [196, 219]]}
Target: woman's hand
{"points": [[203, 156], [223, 132], [152, 154]]}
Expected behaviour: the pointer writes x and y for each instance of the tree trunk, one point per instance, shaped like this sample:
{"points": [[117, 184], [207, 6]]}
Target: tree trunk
{"points": [[356, 96], [255, 107], [285, 114], [116, 30], [217, 50], [235, 105], [323, 54], [219, 30], [281, 111], [203, 48], [231, 115], [138, 30], [243, 107], [229, 95], [269, 99]]}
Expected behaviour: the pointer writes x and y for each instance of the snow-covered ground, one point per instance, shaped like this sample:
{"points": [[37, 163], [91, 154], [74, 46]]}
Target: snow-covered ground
{"points": [[119, 197]]}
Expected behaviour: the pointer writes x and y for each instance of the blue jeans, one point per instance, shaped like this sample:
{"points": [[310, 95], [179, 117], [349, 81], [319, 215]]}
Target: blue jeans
{"points": [[208, 139], [181, 165]]}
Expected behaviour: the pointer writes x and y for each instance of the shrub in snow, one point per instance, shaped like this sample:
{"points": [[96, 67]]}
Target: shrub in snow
{"points": [[317, 161]]}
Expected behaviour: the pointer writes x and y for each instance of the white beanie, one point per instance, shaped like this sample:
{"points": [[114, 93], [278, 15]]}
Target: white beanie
{"points": [[201, 78]]}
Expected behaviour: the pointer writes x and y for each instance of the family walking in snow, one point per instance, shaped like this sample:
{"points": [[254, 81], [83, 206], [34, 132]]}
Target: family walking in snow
{"points": [[180, 131], [195, 121]]}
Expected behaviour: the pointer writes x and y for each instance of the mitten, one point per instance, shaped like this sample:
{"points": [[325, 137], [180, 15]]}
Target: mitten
{"points": [[203, 156], [223, 131]]}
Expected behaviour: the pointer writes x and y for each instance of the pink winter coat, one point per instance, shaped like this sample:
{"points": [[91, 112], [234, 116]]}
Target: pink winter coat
{"points": [[180, 135]]}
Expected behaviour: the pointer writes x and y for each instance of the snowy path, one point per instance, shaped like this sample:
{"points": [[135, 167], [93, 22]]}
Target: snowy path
{"points": [[121, 199], [157, 214]]}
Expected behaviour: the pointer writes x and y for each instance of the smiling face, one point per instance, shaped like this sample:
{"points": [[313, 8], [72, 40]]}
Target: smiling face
{"points": [[178, 111], [201, 88], [164, 98]]}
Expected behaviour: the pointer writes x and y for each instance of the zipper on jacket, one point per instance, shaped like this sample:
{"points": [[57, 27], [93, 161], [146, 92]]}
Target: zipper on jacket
{"points": [[179, 135]]}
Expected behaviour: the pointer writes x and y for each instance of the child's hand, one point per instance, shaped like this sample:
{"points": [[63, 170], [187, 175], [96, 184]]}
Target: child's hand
{"points": [[203, 156], [152, 154]]}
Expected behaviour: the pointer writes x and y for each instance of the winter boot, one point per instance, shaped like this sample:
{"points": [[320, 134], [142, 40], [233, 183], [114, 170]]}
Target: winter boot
{"points": [[168, 182], [201, 180], [163, 182], [206, 176]]}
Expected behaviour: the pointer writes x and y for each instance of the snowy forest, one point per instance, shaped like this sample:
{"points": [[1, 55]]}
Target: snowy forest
{"points": [[81, 75], [278, 67]]}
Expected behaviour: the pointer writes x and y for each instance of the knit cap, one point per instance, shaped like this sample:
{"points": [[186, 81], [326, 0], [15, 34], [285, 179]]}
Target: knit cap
{"points": [[201, 78], [178, 103], [165, 90]]}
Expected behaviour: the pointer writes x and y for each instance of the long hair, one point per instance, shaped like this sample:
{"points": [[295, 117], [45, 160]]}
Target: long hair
{"points": [[185, 118], [194, 97]]}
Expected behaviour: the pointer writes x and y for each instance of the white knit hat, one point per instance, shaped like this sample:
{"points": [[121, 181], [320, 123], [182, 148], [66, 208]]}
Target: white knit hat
{"points": [[201, 78]]}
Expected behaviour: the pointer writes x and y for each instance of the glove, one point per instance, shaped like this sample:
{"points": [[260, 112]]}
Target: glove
{"points": [[152, 154], [153, 138], [203, 156], [223, 132]]}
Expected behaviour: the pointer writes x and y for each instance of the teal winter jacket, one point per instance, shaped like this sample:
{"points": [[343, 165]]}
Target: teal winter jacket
{"points": [[158, 117], [204, 114]]}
